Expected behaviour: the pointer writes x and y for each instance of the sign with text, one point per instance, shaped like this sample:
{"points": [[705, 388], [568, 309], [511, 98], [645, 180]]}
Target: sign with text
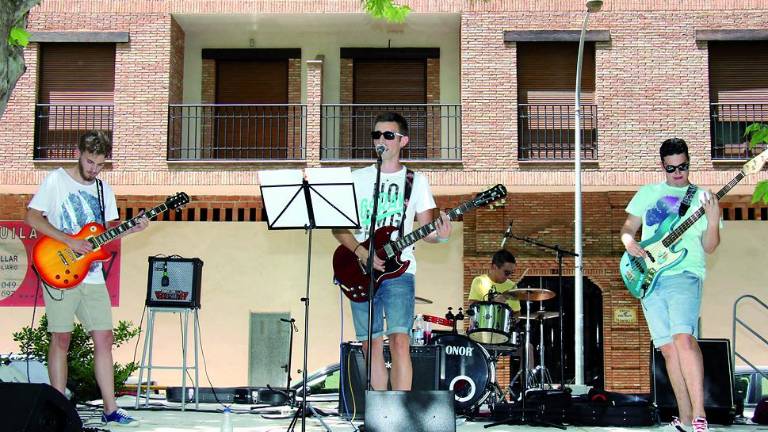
{"points": [[18, 280], [625, 315]]}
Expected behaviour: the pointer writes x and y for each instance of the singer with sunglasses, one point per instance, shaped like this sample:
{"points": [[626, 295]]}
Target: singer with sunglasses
{"points": [[403, 197], [672, 308]]}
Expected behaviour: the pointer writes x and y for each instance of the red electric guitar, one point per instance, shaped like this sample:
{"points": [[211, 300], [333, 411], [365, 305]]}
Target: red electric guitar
{"points": [[350, 274], [62, 268]]}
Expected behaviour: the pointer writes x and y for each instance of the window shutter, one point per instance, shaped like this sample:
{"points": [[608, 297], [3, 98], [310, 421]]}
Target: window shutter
{"points": [[77, 73], [546, 72], [251, 132], [738, 72], [396, 82]]}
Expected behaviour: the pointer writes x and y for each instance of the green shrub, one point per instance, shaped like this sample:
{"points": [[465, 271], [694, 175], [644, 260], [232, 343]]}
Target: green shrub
{"points": [[81, 379]]}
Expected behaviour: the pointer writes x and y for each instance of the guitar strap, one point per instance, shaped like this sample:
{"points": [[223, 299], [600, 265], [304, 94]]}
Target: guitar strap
{"points": [[408, 187], [686, 204], [100, 191]]}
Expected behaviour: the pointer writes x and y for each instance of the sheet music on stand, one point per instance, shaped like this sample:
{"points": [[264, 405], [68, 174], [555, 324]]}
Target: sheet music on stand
{"points": [[326, 199]]}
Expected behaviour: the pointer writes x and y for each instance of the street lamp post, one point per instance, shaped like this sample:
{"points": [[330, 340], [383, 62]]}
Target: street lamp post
{"points": [[592, 6]]}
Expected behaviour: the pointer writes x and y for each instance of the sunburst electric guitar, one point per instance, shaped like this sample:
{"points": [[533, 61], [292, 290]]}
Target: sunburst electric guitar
{"points": [[62, 268], [350, 273], [640, 274]]}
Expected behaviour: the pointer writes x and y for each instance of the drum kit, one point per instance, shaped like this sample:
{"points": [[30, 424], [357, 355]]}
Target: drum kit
{"points": [[469, 361]]}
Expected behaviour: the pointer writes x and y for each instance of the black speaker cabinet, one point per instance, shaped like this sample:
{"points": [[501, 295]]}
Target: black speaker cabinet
{"points": [[174, 282], [413, 411], [426, 375], [718, 383], [36, 408]]}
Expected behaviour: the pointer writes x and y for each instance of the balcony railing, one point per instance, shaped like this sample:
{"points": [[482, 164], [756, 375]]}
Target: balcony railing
{"points": [[548, 132], [727, 124], [434, 131], [236, 132], [58, 128]]}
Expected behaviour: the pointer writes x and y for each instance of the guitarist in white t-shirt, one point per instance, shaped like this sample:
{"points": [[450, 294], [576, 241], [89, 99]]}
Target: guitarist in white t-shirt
{"points": [[395, 296], [67, 200]]}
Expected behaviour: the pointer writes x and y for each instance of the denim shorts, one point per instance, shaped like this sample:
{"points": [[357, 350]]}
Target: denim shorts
{"points": [[673, 307], [395, 300]]}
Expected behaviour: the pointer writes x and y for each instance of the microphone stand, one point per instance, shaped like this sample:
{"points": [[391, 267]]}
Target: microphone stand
{"points": [[370, 270], [560, 253]]}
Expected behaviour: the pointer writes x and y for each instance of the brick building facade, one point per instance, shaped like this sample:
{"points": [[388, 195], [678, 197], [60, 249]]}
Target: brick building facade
{"points": [[651, 82]]}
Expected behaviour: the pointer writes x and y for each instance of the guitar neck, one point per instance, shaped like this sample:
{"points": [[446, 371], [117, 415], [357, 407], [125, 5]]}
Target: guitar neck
{"points": [[112, 233], [403, 242], [676, 233]]}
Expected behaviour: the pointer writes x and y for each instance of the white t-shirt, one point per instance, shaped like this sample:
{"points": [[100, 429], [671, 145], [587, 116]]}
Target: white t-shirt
{"points": [[391, 198], [69, 205]]}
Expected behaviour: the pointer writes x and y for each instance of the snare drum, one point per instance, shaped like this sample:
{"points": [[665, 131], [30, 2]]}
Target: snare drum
{"points": [[467, 370], [490, 322]]}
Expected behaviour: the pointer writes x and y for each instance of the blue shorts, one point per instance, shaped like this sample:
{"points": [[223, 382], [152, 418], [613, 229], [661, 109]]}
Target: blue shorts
{"points": [[673, 307], [395, 300]]}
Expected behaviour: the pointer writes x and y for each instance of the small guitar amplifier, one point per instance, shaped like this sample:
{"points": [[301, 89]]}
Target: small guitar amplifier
{"points": [[174, 282]]}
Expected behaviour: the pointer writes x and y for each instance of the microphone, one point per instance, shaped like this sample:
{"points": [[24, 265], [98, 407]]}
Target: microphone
{"points": [[380, 149], [507, 233], [165, 281]]}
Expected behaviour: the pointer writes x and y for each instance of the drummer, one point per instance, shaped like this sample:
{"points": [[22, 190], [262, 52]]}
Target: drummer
{"points": [[496, 281]]}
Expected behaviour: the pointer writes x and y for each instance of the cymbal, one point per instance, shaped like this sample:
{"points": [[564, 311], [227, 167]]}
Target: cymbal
{"points": [[422, 300], [522, 294], [540, 315], [532, 294]]}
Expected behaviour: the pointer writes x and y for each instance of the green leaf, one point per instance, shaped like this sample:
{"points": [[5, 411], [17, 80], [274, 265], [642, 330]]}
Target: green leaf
{"points": [[19, 37], [761, 192], [751, 129], [759, 137], [386, 10]]}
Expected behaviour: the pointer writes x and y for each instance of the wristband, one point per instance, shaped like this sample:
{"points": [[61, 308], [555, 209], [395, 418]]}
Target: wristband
{"points": [[354, 251], [441, 240]]}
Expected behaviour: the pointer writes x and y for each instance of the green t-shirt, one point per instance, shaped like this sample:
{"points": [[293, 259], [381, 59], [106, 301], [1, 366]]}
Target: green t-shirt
{"points": [[653, 203]]}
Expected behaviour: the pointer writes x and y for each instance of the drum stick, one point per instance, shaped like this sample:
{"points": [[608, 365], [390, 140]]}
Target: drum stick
{"points": [[522, 276]]}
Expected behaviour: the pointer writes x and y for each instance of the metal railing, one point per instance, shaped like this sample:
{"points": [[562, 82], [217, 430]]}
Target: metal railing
{"points": [[58, 127], [727, 125], [199, 132], [547, 132], [739, 321], [434, 131]]}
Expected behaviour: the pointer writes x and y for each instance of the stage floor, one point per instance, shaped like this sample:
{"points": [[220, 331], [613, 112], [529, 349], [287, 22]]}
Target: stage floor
{"points": [[169, 418]]}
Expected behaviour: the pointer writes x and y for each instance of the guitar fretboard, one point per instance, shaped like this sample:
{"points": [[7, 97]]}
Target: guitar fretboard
{"points": [[396, 246], [675, 234], [112, 233]]}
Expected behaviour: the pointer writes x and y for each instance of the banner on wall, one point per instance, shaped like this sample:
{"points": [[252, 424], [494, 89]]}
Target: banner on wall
{"points": [[19, 282]]}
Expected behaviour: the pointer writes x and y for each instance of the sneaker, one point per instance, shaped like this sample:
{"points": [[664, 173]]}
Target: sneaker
{"points": [[676, 425], [700, 424], [119, 418]]}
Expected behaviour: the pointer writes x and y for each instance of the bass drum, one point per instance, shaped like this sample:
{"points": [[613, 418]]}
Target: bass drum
{"points": [[466, 369]]}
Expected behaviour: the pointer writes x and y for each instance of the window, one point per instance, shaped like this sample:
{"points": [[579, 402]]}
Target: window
{"points": [[546, 74], [76, 94], [395, 82], [738, 92]]}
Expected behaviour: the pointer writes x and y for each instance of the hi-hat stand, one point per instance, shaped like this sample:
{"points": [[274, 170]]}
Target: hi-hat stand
{"points": [[291, 202], [560, 253]]}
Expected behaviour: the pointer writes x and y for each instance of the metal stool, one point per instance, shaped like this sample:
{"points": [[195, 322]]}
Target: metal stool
{"points": [[146, 356]]}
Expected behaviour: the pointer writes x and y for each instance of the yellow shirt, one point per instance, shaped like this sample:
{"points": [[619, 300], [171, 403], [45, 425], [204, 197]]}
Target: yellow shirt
{"points": [[481, 285]]}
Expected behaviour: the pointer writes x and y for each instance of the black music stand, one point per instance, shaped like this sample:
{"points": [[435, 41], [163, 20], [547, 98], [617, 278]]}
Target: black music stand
{"points": [[298, 204]]}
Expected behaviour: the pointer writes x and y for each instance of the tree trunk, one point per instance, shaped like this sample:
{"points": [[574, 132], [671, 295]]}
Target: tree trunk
{"points": [[12, 12]]}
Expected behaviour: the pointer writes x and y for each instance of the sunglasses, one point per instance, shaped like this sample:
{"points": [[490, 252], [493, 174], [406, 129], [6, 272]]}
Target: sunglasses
{"points": [[671, 168], [387, 135]]}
